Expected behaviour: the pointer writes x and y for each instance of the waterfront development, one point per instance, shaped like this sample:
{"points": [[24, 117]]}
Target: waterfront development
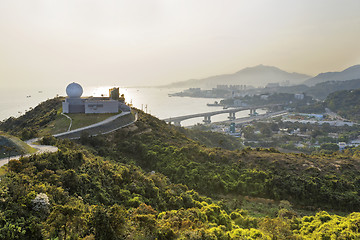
{"points": [[151, 100]]}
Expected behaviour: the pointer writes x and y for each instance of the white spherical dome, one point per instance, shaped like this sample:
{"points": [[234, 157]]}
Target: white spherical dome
{"points": [[74, 90]]}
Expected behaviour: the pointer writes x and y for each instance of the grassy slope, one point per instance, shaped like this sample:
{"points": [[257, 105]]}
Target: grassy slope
{"points": [[20, 146], [61, 123], [212, 139], [46, 119], [27, 125]]}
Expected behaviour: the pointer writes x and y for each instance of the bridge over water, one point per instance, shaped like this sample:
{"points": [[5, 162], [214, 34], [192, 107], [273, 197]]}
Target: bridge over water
{"points": [[207, 115]]}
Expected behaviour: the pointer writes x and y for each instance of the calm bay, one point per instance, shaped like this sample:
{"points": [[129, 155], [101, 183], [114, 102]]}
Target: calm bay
{"points": [[151, 100]]}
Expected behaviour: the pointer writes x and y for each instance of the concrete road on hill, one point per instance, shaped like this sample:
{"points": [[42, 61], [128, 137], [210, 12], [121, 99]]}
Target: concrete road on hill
{"points": [[108, 120], [45, 148], [40, 148]]}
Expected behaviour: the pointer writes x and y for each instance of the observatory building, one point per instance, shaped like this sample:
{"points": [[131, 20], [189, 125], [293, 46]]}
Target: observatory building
{"points": [[74, 103]]}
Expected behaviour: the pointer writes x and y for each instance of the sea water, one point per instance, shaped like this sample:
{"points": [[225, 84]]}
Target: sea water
{"points": [[155, 101]]}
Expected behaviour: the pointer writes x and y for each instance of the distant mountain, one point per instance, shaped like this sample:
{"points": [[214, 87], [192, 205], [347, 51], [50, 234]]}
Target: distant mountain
{"points": [[348, 74], [322, 90], [255, 76]]}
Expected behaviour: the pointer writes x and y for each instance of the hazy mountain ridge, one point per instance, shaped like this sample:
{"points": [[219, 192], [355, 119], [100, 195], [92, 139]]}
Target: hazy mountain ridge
{"points": [[261, 75], [255, 76], [350, 73]]}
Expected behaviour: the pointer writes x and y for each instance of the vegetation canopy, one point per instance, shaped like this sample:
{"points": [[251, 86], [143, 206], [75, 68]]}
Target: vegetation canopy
{"points": [[152, 180]]}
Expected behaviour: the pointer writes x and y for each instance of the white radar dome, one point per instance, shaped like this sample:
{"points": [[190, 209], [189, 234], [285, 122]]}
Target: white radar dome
{"points": [[74, 90]]}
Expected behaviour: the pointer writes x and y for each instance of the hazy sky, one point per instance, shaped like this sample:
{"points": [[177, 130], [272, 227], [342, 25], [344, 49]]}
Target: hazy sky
{"points": [[153, 42]]}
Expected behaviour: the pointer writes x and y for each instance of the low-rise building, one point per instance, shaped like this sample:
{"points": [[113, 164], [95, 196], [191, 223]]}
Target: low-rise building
{"points": [[299, 96], [74, 103]]}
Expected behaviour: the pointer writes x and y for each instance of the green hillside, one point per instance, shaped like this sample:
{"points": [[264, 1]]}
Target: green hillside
{"points": [[328, 182], [12, 146], [346, 103], [151, 181], [28, 125], [46, 119]]}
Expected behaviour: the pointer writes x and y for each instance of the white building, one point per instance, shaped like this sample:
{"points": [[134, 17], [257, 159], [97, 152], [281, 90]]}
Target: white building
{"points": [[342, 145], [299, 96], [75, 104], [264, 97]]}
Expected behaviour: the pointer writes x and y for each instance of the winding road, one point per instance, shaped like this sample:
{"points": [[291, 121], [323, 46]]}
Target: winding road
{"points": [[46, 148], [40, 149]]}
